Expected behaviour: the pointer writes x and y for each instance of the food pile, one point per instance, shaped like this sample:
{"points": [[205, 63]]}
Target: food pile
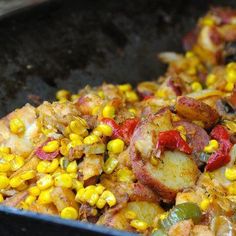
{"points": [[156, 159]]}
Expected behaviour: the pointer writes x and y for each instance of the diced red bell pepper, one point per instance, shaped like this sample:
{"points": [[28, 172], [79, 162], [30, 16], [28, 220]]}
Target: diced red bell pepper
{"points": [[172, 139], [220, 157], [123, 131], [41, 154]]}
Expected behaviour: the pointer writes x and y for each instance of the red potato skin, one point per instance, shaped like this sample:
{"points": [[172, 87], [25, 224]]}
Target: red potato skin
{"points": [[197, 136], [193, 109]]}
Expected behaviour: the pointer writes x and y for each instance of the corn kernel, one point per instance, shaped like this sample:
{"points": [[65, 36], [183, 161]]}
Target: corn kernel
{"points": [[23, 186], [77, 185], [53, 165], [101, 94], [230, 173], [69, 213], [210, 79], [73, 136], [115, 146], [91, 197], [42, 166], [130, 215], [4, 166], [91, 139], [73, 144], [4, 181], [110, 165], [34, 191], [95, 110], [45, 182], [99, 189], [106, 130], [100, 203], [208, 21], [17, 126], [125, 87], [139, 225], [64, 162], [63, 180], [62, 94], [16, 182], [154, 161], [189, 54], [163, 215], [45, 196], [131, 96], [231, 75], [80, 195], [133, 111], [109, 197], [204, 204], [212, 146], [79, 126], [5, 150], [125, 175], [161, 93], [51, 146], [108, 111], [17, 163], [75, 97], [73, 175], [72, 167], [229, 86], [30, 199], [1, 198], [196, 86], [64, 150], [27, 175], [232, 189]]}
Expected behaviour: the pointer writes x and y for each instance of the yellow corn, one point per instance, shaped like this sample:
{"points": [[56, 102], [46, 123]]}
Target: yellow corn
{"points": [[30, 199], [91, 139], [73, 144], [34, 191], [154, 161], [4, 166], [27, 175], [95, 110], [16, 182], [62, 94], [75, 97], [5, 150], [99, 189], [23, 186], [208, 21], [72, 167], [77, 185], [42, 166], [231, 74], [17, 126], [45, 182], [189, 54], [64, 150], [64, 162], [232, 189], [109, 197], [108, 111], [230, 173], [139, 225], [69, 213], [163, 215], [130, 215], [125, 87], [106, 130], [53, 165], [161, 93], [17, 163], [45, 196], [73, 136], [229, 86], [1, 198], [204, 204], [231, 125], [212, 146], [100, 203], [80, 195], [63, 180], [110, 165], [4, 181], [125, 175], [196, 86], [91, 197], [133, 111], [131, 96], [115, 146], [51, 146], [79, 126], [101, 94], [210, 79], [8, 157]]}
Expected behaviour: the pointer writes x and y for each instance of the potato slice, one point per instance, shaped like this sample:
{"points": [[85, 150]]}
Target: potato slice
{"points": [[196, 110], [174, 171]]}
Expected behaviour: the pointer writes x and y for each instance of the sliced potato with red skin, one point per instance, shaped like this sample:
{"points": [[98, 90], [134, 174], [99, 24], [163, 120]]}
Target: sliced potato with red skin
{"points": [[174, 171], [15, 199], [197, 137], [192, 109]]}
